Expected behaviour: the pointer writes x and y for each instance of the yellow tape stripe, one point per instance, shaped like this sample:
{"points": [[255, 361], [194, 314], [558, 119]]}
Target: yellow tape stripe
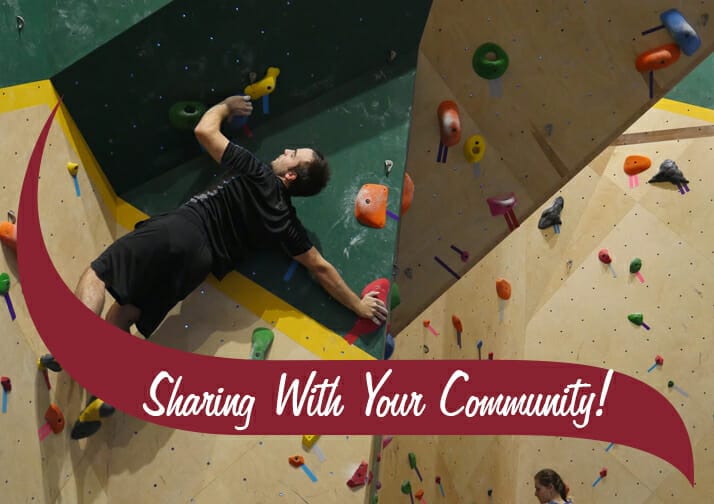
{"points": [[297, 326], [686, 109]]}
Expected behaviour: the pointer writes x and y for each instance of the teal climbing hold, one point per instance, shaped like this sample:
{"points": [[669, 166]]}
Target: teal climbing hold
{"points": [[490, 61]]}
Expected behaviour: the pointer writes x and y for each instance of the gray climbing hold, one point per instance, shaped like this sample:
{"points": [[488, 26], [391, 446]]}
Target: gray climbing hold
{"points": [[669, 172], [551, 216]]}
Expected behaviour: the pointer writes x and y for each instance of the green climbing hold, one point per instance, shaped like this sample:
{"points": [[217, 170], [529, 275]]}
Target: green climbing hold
{"points": [[4, 283], [636, 318], [395, 297], [406, 487], [412, 460], [490, 61], [185, 115], [262, 339], [375, 499], [635, 265]]}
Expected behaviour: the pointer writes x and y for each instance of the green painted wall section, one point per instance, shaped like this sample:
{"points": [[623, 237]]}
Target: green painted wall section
{"points": [[23, 57], [120, 94], [59, 32], [337, 92], [357, 127], [698, 87]]}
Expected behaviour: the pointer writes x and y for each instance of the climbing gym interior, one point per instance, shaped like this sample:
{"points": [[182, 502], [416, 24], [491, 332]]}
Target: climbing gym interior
{"points": [[532, 178]]}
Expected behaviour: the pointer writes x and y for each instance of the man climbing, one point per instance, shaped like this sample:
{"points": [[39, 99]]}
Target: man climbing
{"points": [[154, 267]]}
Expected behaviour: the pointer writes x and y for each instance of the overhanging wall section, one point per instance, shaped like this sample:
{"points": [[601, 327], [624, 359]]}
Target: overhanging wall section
{"points": [[120, 94]]}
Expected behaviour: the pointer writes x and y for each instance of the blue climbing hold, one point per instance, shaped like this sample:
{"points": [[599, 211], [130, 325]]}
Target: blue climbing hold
{"points": [[389, 347], [681, 31]]}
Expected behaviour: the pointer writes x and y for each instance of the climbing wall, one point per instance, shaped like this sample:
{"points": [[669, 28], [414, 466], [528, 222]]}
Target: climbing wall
{"points": [[42, 37], [339, 90], [570, 88], [129, 460], [567, 305], [538, 136], [203, 53]]}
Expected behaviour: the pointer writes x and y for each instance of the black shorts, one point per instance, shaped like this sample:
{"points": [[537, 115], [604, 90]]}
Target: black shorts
{"points": [[157, 265]]}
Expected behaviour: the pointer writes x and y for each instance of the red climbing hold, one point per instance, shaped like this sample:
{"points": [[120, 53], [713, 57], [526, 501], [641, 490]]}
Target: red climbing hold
{"points": [[363, 325]]}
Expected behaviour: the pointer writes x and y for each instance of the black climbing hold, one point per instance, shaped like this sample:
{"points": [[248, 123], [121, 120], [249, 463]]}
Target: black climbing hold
{"points": [[669, 172], [551, 216]]}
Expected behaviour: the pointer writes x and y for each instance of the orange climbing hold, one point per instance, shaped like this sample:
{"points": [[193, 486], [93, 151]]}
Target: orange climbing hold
{"points": [[296, 460], [503, 288], [8, 234], [660, 57], [449, 123], [636, 164], [371, 205], [55, 418], [407, 194]]}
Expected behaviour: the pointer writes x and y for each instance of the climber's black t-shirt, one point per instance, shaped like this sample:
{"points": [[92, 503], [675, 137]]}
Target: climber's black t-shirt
{"points": [[250, 209]]}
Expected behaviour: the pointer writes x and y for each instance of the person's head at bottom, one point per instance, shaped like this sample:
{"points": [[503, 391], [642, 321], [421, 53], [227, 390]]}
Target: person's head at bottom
{"points": [[549, 487], [304, 171]]}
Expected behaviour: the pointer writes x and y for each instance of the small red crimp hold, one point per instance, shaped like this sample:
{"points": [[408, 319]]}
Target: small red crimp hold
{"points": [[603, 472], [604, 256], [6, 383], [359, 478], [659, 360], [456, 321]]}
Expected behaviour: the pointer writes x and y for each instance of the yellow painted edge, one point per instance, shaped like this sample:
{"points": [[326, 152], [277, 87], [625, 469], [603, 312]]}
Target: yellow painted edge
{"points": [[43, 93], [305, 331], [686, 109], [297, 326]]}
